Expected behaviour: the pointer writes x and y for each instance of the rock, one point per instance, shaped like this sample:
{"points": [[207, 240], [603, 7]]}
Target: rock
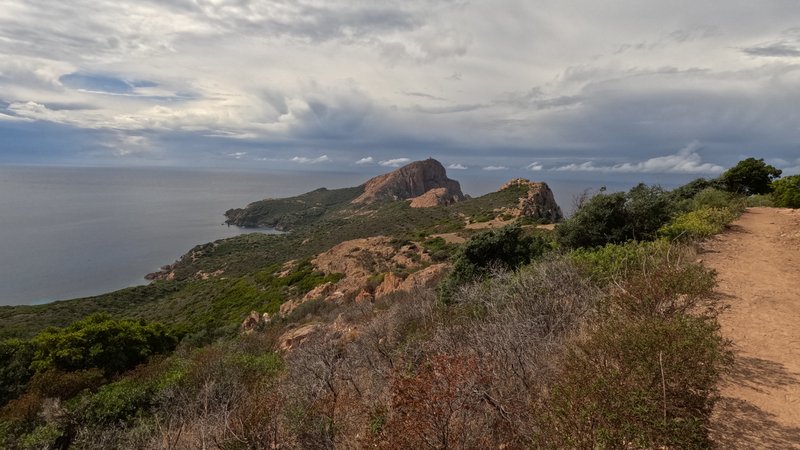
{"points": [[254, 321], [421, 279], [359, 259], [293, 338], [364, 297], [538, 203], [391, 283], [322, 290], [434, 197], [425, 278], [413, 180]]}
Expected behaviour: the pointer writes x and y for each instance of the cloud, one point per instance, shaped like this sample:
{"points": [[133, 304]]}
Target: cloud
{"points": [[535, 166], [396, 162], [305, 160], [686, 161], [237, 155], [365, 161], [778, 50], [358, 77], [457, 166], [495, 168]]}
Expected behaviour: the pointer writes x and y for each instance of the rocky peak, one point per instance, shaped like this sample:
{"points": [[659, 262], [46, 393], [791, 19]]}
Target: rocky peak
{"points": [[538, 202], [412, 181]]}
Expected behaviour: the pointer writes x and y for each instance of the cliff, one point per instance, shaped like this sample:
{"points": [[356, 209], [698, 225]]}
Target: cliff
{"points": [[538, 202], [414, 181]]}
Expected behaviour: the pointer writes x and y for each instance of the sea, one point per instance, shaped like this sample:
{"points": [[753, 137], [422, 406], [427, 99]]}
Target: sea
{"points": [[68, 232]]}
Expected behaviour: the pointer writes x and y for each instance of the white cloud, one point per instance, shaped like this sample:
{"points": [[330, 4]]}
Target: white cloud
{"points": [[365, 161], [535, 166], [396, 162], [237, 155], [406, 76], [687, 161], [457, 166], [305, 160], [495, 168]]}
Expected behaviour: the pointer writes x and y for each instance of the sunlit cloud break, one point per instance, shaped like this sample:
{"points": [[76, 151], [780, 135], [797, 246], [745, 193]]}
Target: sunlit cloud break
{"points": [[535, 166], [365, 161], [686, 161], [495, 168], [396, 162], [304, 160], [456, 166]]}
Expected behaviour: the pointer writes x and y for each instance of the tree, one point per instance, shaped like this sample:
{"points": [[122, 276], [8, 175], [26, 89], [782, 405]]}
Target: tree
{"points": [[617, 217], [786, 192], [506, 248], [750, 176]]}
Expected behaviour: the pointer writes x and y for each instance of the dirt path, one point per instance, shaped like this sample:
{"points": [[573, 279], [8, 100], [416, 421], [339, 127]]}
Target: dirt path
{"points": [[758, 265]]}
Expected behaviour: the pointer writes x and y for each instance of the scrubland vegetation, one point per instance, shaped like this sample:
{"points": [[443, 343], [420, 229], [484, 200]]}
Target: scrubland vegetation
{"points": [[602, 334]]}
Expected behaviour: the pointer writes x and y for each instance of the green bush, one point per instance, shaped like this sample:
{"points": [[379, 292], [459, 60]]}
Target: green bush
{"points": [[759, 200], [506, 248], [699, 224], [645, 373], [637, 384], [615, 261], [786, 192], [16, 356], [98, 341], [716, 198], [617, 217]]}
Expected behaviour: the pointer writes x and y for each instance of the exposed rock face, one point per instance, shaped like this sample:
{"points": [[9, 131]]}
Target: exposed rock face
{"points": [[359, 259], [254, 321], [435, 197], [411, 181], [538, 203]]}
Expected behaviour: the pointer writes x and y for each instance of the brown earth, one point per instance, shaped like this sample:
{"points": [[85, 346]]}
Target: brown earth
{"points": [[758, 266]]}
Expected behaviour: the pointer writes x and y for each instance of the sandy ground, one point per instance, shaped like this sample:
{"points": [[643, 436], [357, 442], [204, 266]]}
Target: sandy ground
{"points": [[758, 266]]}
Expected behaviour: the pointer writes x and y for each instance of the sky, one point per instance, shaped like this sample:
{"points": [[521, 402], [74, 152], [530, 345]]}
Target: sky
{"points": [[564, 87]]}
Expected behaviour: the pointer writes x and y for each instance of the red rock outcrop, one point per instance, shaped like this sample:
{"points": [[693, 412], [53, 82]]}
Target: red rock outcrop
{"points": [[538, 203], [412, 181]]}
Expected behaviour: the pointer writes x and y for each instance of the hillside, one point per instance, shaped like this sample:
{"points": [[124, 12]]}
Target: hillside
{"points": [[215, 285], [758, 269], [379, 324]]}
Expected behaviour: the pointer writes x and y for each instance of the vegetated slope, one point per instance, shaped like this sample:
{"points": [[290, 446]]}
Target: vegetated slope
{"points": [[217, 284], [758, 269]]}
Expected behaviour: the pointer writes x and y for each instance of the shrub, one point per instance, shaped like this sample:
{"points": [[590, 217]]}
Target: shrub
{"points": [[15, 360], [759, 200], [645, 373], [617, 217], [99, 341], [506, 248], [699, 224], [786, 192], [637, 384], [750, 176], [716, 198], [616, 261], [692, 188]]}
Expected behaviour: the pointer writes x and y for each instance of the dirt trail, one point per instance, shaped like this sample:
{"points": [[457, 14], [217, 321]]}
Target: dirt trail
{"points": [[758, 266]]}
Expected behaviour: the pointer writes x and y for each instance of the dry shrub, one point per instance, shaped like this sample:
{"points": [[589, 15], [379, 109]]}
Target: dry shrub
{"points": [[644, 373], [442, 405]]}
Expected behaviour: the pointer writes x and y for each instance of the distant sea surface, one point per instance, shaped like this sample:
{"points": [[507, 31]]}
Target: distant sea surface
{"points": [[77, 232]]}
